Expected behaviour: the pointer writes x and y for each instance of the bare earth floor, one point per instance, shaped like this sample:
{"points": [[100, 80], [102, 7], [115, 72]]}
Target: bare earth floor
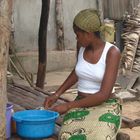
{"points": [[132, 110]]}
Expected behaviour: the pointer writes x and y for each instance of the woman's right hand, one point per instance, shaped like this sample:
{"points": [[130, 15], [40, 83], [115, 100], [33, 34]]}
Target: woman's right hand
{"points": [[49, 101]]}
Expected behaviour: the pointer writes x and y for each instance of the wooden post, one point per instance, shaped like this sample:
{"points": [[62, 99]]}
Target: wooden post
{"points": [[100, 6], [42, 43], [5, 18], [59, 24]]}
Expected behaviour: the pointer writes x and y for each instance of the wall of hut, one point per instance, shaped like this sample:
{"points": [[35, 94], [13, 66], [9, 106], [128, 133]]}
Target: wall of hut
{"points": [[116, 9], [26, 23], [26, 18]]}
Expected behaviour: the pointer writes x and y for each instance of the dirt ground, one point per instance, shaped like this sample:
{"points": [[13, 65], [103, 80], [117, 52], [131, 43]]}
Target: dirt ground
{"points": [[130, 109]]}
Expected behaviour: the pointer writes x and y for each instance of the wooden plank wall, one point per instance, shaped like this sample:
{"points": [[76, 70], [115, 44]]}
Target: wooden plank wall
{"points": [[115, 9]]}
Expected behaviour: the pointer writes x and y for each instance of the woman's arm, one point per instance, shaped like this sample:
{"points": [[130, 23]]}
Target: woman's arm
{"points": [[112, 64], [71, 80]]}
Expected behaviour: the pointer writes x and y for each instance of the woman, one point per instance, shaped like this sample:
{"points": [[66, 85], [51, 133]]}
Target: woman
{"points": [[93, 115]]}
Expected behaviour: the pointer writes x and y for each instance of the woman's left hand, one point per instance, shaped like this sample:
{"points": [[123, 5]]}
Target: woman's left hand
{"points": [[62, 108]]}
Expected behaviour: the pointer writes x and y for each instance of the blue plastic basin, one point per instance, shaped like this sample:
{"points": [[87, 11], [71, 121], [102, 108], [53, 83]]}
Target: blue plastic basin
{"points": [[35, 123]]}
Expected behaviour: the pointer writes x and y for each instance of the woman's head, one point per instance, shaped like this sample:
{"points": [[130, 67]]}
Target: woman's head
{"points": [[87, 22]]}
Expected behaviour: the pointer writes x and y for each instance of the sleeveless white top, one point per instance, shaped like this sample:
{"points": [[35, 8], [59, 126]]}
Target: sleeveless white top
{"points": [[91, 75]]}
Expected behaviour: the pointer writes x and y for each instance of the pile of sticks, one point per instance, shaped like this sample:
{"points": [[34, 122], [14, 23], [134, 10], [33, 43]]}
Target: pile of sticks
{"points": [[136, 65], [130, 57]]}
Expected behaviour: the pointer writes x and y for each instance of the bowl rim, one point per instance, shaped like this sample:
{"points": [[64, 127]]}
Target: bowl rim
{"points": [[18, 118]]}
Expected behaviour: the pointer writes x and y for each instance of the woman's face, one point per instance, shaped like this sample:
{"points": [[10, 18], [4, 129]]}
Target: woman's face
{"points": [[83, 38]]}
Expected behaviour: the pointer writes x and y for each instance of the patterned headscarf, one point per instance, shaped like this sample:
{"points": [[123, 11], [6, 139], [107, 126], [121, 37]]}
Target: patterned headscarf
{"points": [[89, 21]]}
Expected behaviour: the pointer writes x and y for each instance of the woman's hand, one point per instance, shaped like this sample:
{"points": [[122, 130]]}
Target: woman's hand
{"points": [[62, 108], [49, 101]]}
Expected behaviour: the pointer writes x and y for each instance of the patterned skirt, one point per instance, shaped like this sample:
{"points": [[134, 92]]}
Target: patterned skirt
{"points": [[94, 123]]}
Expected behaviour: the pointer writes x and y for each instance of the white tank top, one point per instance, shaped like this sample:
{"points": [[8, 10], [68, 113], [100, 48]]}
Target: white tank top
{"points": [[91, 75]]}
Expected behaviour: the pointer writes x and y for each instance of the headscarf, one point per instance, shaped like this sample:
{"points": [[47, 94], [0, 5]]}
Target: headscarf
{"points": [[89, 21]]}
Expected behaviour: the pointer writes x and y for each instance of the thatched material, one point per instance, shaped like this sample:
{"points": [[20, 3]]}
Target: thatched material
{"points": [[130, 57]]}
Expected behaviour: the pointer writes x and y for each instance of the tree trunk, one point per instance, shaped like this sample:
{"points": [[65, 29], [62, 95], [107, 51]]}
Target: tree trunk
{"points": [[5, 18], [59, 24], [100, 5], [42, 43]]}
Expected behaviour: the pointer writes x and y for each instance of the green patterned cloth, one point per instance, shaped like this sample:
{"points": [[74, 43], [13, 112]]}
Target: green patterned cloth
{"points": [[94, 123]]}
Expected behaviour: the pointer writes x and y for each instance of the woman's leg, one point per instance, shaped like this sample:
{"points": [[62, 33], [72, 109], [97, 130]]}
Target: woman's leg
{"points": [[95, 123]]}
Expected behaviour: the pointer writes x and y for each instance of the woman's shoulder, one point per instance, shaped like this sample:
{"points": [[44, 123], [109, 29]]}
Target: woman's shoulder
{"points": [[80, 49], [112, 48], [113, 51]]}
